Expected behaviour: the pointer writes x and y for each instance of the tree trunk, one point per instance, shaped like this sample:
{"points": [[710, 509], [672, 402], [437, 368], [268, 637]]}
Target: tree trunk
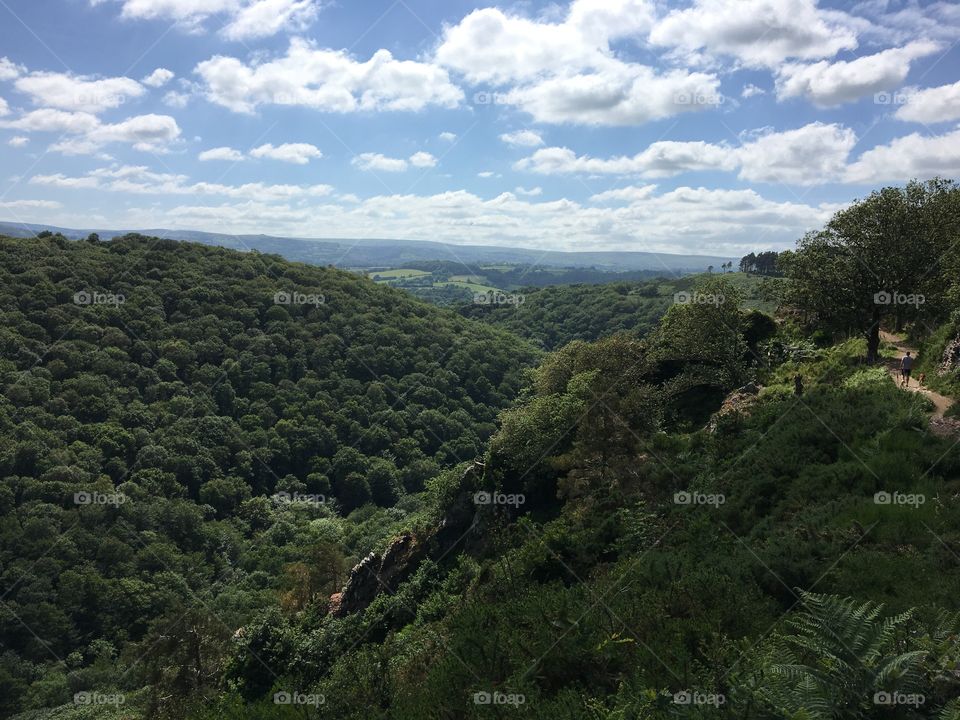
{"points": [[873, 337]]}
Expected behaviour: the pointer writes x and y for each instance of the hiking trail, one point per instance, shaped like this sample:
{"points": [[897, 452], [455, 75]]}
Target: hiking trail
{"points": [[941, 403]]}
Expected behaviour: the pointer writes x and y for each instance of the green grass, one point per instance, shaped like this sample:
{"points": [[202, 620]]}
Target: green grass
{"points": [[473, 287], [399, 273]]}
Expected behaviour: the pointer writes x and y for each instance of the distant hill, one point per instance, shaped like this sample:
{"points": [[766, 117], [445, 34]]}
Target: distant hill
{"points": [[397, 253]]}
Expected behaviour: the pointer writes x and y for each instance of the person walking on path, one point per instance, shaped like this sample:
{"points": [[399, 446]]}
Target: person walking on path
{"points": [[906, 365]]}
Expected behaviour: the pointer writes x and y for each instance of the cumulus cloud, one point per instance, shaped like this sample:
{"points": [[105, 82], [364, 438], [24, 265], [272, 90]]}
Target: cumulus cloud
{"points": [[4, 108], [9, 70], [931, 105], [383, 163], [77, 92], [686, 219], [531, 192], [18, 141], [905, 158], [20, 204], [491, 46], [829, 84], [749, 90], [447, 136], [522, 138], [809, 155], [268, 17], [221, 153], [245, 19], [53, 121], [423, 160], [625, 94], [158, 78], [567, 71], [327, 80], [376, 161], [757, 33], [661, 159], [629, 194], [296, 153], [140, 180], [148, 133], [176, 99]]}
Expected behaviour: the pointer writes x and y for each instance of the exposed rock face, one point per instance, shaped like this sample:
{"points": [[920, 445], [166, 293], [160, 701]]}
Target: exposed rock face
{"points": [[739, 401], [383, 573], [951, 357], [375, 574]]}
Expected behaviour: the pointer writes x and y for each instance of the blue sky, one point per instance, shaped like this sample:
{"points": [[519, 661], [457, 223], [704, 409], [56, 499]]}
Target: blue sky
{"points": [[715, 126]]}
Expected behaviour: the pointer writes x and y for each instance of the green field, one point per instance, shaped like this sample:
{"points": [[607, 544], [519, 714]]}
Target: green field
{"points": [[472, 287], [396, 274]]}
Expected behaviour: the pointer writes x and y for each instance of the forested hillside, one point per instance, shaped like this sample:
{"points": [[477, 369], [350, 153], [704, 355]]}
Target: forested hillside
{"points": [[551, 317], [237, 487], [182, 423]]}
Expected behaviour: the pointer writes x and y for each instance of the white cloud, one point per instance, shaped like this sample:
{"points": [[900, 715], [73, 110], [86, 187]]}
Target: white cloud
{"points": [[54, 121], [931, 105], [4, 108], [189, 12], [522, 138], [909, 157], [629, 194], [626, 94], [895, 23], [140, 180], [447, 136], [532, 192], [486, 174], [158, 78], [245, 19], [60, 180], [262, 18], [661, 159], [18, 141], [749, 90], [9, 70], [296, 153], [423, 160], [829, 84], [758, 33], [176, 99], [221, 153], [683, 220], [327, 80], [148, 133], [490, 46], [567, 71], [376, 161], [20, 204], [78, 93], [809, 155]]}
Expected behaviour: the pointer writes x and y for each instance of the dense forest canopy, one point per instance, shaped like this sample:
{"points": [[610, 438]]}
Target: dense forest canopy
{"points": [[159, 402]]}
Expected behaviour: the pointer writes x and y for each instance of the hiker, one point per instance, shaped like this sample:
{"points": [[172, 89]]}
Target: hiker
{"points": [[906, 365], [798, 385], [922, 379]]}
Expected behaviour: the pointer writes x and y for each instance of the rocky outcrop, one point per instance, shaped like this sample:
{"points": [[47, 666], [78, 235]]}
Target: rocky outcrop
{"points": [[383, 573], [950, 361], [378, 573], [739, 401]]}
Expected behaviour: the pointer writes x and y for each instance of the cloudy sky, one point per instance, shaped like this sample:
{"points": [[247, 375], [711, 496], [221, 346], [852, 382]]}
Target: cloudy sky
{"points": [[713, 126]]}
